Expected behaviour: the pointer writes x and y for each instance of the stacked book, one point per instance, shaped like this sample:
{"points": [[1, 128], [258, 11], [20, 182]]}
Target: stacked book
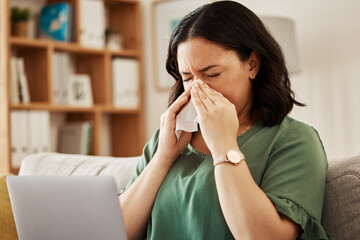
{"points": [[57, 22], [62, 69], [125, 83], [75, 138], [70, 88], [30, 133], [18, 81], [33, 132], [92, 23]]}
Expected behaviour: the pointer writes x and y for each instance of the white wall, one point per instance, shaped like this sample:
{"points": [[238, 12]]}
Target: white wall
{"points": [[328, 36], [155, 101]]}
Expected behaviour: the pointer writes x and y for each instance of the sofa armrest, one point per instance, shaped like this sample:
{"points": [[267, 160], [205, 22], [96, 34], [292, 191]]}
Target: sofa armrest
{"points": [[341, 214], [57, 164]]}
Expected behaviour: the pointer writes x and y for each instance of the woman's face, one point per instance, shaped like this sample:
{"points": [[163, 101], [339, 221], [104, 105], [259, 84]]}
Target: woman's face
{"points": [[220, 68]]}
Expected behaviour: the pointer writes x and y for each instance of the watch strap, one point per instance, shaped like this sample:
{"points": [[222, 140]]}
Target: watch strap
{"points": [[224, 159], [220, 160]]}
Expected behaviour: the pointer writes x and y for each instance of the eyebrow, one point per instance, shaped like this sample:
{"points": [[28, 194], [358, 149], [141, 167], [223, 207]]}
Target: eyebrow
{"points": [[201, 70]]}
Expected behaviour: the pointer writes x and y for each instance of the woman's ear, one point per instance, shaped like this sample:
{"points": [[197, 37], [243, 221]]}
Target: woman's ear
{"points": [[254, 62]]}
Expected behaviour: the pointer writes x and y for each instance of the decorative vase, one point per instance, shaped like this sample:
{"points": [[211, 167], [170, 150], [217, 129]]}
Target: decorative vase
{"points": [[20, 29]]}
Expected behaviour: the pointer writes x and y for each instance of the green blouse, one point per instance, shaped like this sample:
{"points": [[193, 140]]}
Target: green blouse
{"points": [[287, 161]]}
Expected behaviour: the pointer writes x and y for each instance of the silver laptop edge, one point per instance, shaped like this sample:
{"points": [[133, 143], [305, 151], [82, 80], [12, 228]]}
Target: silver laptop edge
{"points": [[58, 207]]}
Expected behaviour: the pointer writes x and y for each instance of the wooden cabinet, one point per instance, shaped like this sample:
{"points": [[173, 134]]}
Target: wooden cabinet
{"points": [[125, 127]]}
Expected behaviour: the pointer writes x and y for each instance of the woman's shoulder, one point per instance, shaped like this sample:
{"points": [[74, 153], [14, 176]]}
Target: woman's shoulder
{"points": [[289, 123], [302, 140], [292, 128], [289, 130]]}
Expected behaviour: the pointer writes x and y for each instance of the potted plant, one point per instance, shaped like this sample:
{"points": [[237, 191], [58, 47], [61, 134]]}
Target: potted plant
{"points": [[19, 19]]}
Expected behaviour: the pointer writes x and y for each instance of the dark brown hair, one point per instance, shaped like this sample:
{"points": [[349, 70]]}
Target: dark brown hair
{"points": [[236, 28]]}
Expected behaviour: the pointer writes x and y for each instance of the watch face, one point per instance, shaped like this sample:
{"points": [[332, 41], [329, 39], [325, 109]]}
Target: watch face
{"points": [[234, 156]]}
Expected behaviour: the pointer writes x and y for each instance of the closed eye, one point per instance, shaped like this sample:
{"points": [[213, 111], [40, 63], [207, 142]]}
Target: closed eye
{"points": [[213, 75], [188, 79]]}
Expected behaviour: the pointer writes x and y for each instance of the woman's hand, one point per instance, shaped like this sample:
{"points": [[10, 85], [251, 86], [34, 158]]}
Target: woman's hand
{"points": [[218, 119], [169, 147]]}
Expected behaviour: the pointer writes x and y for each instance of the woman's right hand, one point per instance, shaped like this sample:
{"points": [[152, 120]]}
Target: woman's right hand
{"points": [[169, 147]]}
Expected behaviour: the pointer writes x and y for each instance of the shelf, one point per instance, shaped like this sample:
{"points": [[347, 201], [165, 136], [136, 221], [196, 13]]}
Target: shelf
{"points": [[75, 48], [29, 42], [124, 53], [123, 1], [51, 107], [116, 131], [66, 108], [69, 47], [112, 109]]}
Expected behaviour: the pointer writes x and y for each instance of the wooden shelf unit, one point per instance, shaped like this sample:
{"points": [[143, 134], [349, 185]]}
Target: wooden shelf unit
{"points": [[126, 125]]}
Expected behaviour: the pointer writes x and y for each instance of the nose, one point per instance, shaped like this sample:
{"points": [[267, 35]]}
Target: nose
{"points": [[189, 83], [195, 78]]}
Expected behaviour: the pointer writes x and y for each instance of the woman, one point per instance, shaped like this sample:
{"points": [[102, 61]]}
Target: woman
{"points": [[250, 172]]}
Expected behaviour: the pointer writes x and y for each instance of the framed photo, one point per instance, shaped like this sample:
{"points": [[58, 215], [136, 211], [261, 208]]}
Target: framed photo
{"points": [[80, 93], [166, 14]]}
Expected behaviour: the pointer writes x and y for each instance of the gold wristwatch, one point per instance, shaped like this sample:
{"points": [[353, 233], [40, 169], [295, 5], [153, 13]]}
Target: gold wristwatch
{"points": [[233, 156]]}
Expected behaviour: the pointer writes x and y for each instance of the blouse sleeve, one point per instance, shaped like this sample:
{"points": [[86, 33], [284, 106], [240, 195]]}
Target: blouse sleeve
{"points": [[294, 179], [148, 153]]}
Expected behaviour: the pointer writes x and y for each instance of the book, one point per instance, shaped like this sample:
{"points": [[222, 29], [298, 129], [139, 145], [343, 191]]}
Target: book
{"points": [[39, 131], [56, 22], [57, 79], [20, 136], [125, 82], [92, 23], [106, 133], [30, 133], [62, 69], [14, 81], [23, 84], [75, 138]]}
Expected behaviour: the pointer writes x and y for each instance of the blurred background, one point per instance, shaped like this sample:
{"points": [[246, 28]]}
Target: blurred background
{"points": [[327, 35], [108, 41]]}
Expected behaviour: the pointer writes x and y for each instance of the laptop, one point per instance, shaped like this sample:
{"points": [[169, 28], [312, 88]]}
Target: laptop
{"points": [[58, 207]]}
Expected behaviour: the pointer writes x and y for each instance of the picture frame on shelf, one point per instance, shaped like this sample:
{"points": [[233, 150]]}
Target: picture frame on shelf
{"points": [[166, 14], [80, 92]]}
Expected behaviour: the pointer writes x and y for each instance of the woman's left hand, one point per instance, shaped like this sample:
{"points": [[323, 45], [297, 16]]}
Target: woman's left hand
{"points": [[218, 119]]}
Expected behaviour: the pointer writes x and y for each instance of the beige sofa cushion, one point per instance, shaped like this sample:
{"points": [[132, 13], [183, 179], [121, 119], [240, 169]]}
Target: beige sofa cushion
{"points": [[56, 164]]}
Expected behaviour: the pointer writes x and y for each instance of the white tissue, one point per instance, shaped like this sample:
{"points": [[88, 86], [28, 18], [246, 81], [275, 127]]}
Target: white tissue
{"points": [[186, 120]]}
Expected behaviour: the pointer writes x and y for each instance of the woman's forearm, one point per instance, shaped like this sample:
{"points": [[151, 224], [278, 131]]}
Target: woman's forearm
{"points": [[137, 201], [248, 211]]}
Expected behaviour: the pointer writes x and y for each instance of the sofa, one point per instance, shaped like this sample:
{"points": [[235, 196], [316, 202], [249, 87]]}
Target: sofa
{"points": [[341, 214]]}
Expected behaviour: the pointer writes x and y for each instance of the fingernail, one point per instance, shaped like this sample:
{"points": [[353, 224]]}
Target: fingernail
{"points": [[201, 82], [218, 93], [195, 84]]}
